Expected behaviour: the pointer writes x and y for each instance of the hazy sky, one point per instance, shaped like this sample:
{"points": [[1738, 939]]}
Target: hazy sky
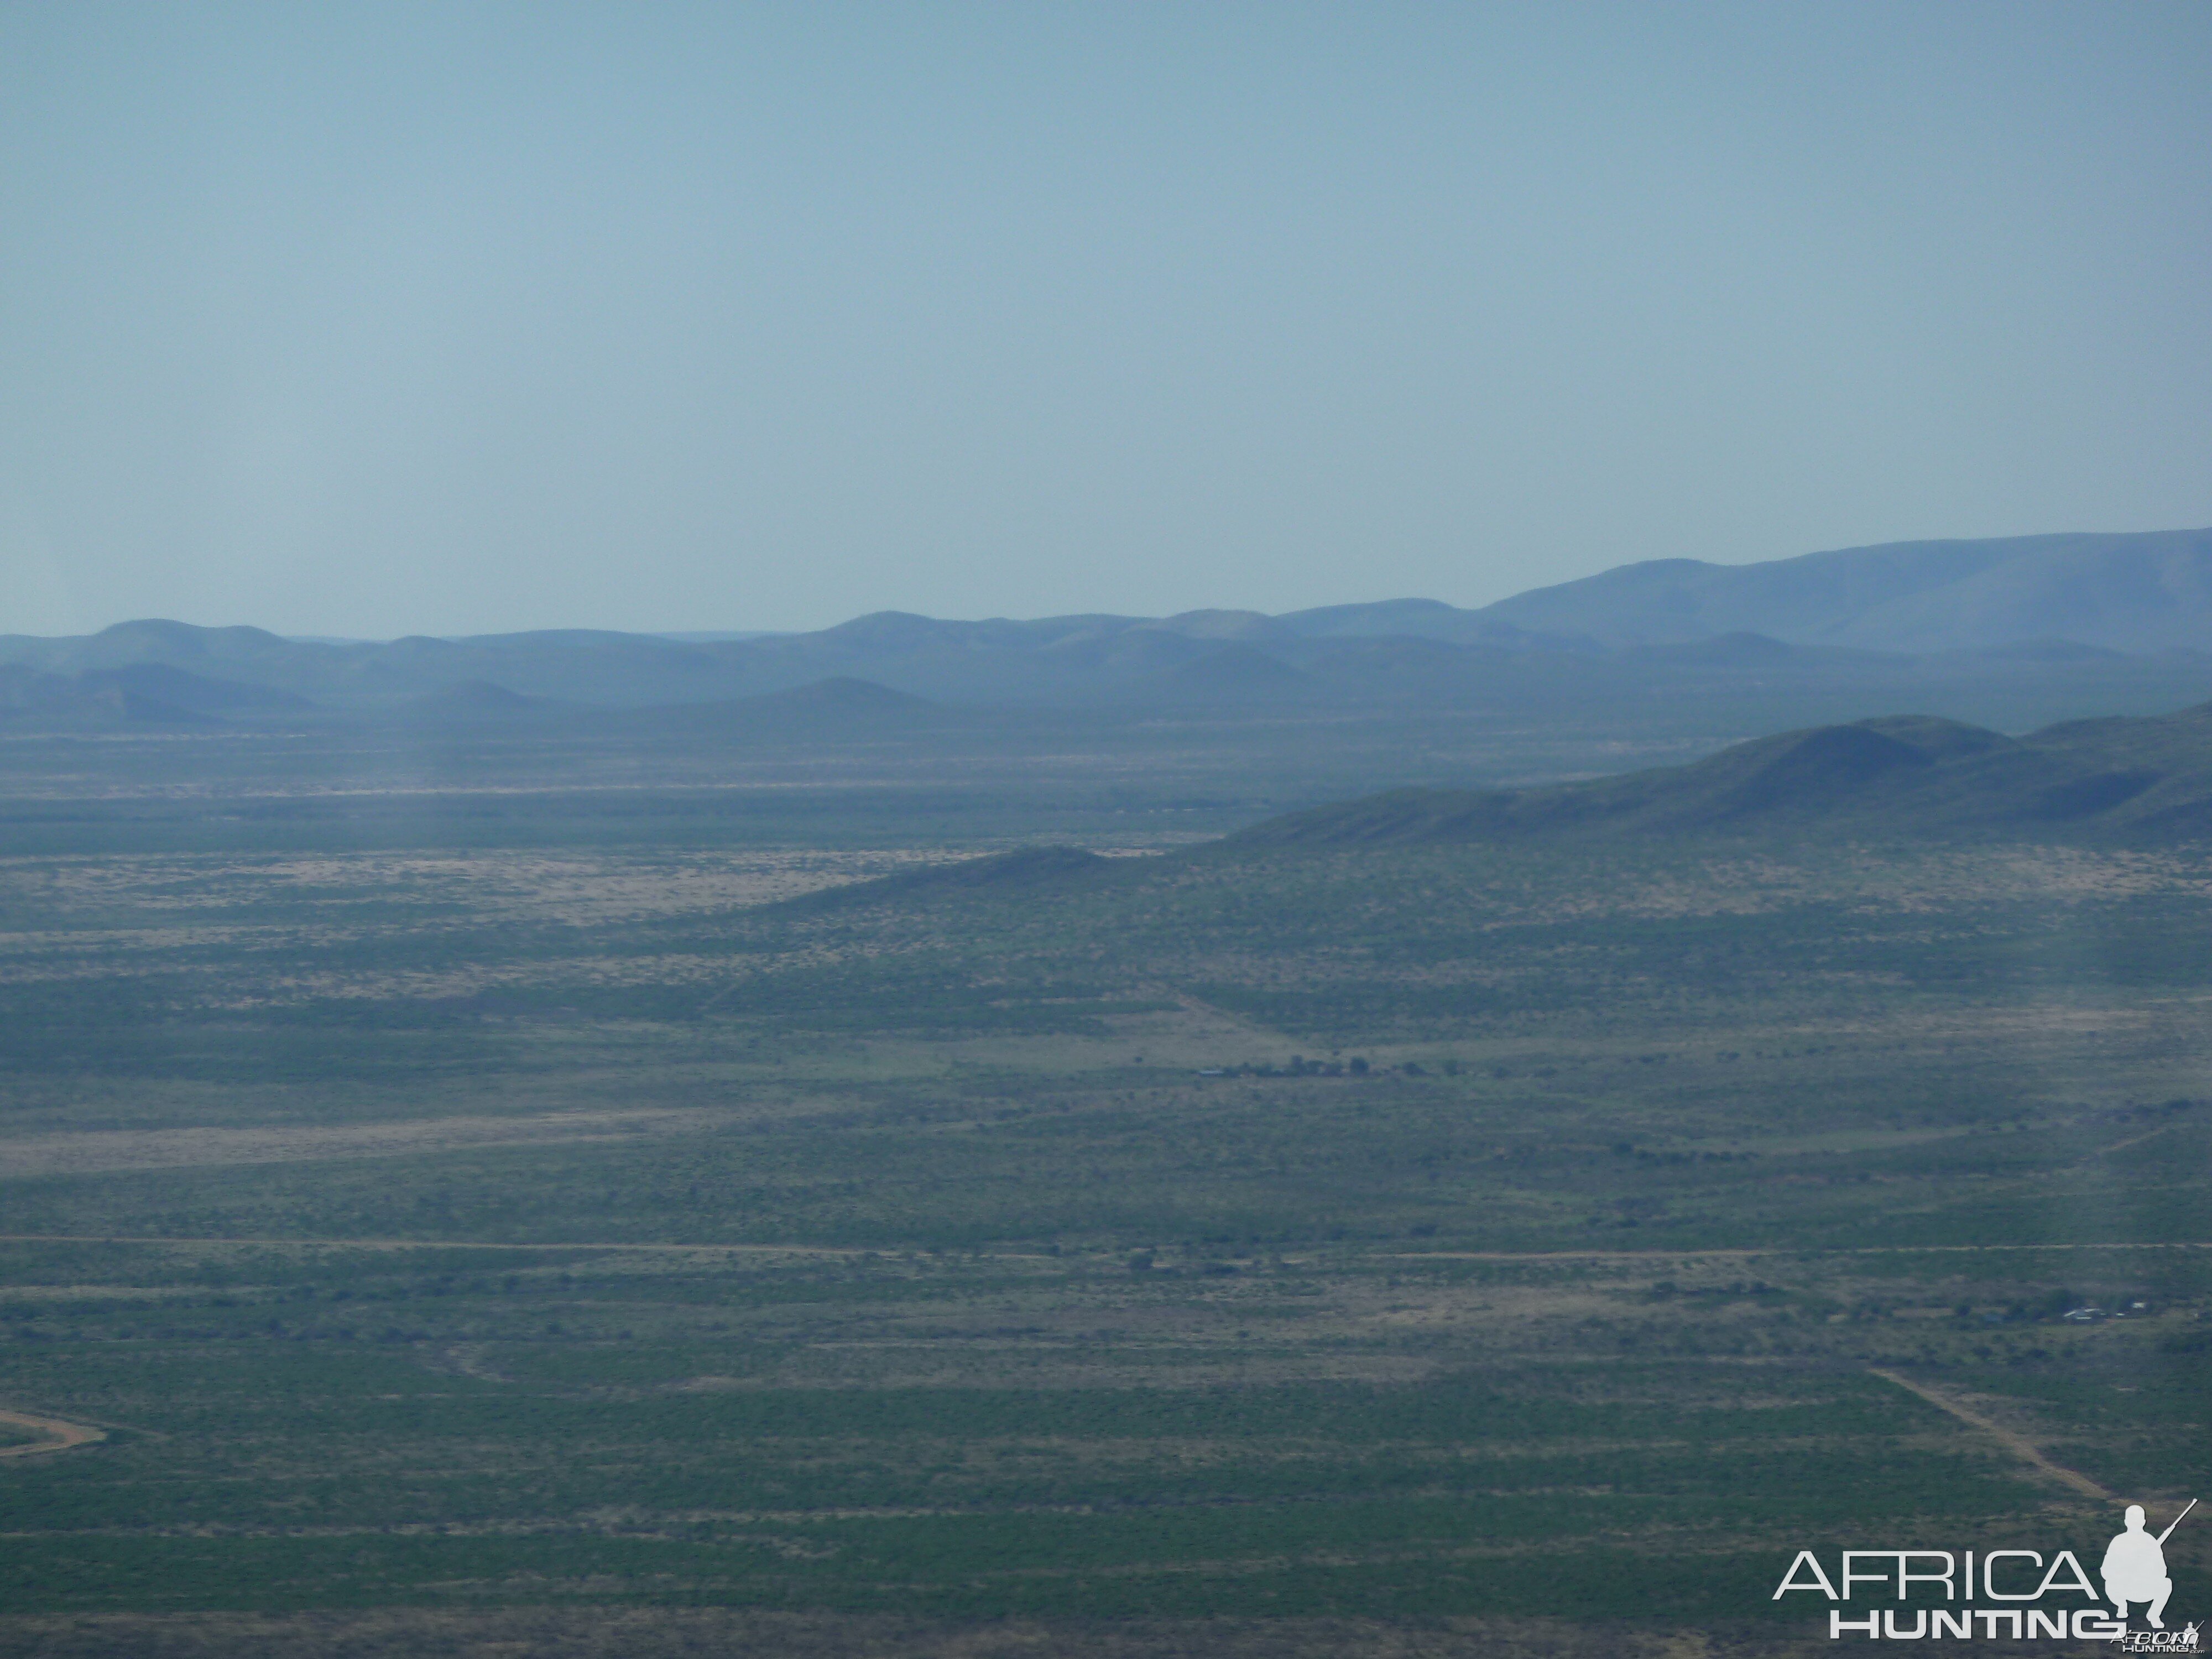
{"points": [[375, 318]]}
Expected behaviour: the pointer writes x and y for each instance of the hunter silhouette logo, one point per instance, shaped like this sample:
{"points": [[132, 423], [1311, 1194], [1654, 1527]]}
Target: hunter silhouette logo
{"points": [[2031, 1592], [2135, 1566]]}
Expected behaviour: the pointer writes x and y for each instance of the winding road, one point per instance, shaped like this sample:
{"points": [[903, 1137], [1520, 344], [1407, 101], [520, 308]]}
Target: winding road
{"points": [[61, 1436]]}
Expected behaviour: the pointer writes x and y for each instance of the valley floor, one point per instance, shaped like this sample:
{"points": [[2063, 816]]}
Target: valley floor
{"points": [[1290, 1253]]}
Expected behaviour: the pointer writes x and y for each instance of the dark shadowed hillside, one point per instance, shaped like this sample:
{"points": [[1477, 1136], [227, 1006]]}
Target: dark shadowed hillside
{"points": [[139, 695], [469, 703], [1906, 775]]}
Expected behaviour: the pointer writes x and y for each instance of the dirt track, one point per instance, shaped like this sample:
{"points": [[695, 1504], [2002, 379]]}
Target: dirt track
{"points": [[2018, 1444], [1656, 1257], [65, 1435], [433, 1244]]}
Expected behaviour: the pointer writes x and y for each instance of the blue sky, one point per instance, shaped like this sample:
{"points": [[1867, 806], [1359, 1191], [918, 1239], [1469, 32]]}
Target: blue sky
{"points": [[376, 318]]}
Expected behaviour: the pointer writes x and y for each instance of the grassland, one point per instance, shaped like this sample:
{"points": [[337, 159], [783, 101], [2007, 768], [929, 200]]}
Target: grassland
{"points": [[1452, 1251]]}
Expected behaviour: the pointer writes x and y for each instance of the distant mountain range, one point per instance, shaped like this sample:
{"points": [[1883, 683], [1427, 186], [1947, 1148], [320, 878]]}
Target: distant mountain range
{"points": [[2036, 606], [2149, 591]]}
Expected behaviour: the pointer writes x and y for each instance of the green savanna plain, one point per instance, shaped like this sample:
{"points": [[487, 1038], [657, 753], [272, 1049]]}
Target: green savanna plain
{"points": [[1396, 1249]]}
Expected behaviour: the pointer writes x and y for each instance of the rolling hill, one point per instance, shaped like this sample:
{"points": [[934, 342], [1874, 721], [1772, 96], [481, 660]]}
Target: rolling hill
{"points": [[1911, 777], [144, 694]]}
